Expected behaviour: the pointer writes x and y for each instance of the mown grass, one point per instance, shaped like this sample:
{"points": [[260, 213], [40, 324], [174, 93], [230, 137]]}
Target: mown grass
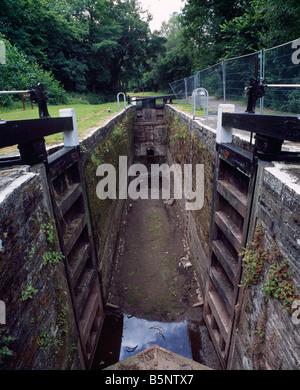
{"points": [[88, 116], [147, 94]]}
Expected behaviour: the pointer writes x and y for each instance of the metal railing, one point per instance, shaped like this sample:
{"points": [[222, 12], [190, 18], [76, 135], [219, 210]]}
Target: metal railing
{"points": [[278, 68], [197, 96]]}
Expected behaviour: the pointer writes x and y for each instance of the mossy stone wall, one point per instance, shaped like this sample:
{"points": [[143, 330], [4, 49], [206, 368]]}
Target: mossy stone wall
{"points": [[106, 215]]}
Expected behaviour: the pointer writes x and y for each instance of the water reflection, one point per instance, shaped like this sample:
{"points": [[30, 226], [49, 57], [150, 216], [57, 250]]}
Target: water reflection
{"points": [[139, 334], [123, 336]]}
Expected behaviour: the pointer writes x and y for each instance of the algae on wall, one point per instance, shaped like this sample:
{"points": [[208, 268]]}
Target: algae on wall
{"points": [[39, 313], [186, 147], [106, 214]]}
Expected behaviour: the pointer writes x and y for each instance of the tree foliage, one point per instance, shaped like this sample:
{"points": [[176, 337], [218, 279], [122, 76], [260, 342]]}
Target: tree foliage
{"points": [[201, 20], [101, 46], [19, 73], [225, 28], [175, 60], [89, 45]]}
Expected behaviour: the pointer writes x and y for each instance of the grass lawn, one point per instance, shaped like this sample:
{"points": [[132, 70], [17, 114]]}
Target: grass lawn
{"points": [[88, 116], [146, 94], [188, 109]]}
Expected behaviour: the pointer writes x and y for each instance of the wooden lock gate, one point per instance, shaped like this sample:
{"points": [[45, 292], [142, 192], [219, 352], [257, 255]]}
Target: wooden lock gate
{"points": [[236, 183], [69, 201], [70, 206]]}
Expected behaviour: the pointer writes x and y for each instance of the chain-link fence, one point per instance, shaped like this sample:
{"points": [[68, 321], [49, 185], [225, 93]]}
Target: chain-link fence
{"points": [[228, 80]]}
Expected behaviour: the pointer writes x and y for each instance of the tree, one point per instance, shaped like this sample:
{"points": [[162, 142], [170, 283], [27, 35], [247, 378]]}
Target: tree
{"points": [[89, 45], [281, 21], [241, 35], [120, 43], [48, 33], [102, 33], [175, 62], [132, 49], [18, 73], [201, 20], [262, 24]]}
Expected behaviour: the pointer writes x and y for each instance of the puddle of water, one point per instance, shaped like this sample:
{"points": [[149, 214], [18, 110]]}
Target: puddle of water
{"points": [[140, 334], [123, 336]]}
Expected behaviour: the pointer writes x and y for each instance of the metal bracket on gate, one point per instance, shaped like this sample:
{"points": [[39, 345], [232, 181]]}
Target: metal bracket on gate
{"points": [[38, 95]]}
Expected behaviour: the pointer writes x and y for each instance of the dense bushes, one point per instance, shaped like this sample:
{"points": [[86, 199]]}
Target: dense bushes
{"points": [[18, 73]]}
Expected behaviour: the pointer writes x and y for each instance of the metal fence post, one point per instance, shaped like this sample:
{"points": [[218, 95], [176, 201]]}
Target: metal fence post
{"points": [[224, 79], [262, 76]]}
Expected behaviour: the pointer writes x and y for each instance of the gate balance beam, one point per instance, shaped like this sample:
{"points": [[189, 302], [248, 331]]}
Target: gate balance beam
{"points": [[281, 127], [28, 130]]}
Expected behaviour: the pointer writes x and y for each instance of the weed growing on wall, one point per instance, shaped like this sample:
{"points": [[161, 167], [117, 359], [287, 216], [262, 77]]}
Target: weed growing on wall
{"points": [[45, 340], [254, 258], [48, 229], [28, 292], [280, 285], [5, 351], [52, 256], [52, 342]]}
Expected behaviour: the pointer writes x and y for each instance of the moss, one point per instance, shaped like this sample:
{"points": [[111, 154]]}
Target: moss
{"points": [[258, 347], [185, 147], [116, 144]]}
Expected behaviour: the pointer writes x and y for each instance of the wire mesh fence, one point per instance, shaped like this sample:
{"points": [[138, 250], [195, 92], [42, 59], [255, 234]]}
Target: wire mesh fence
{"points": [[278, 68], [212, 79], [282, 67]]}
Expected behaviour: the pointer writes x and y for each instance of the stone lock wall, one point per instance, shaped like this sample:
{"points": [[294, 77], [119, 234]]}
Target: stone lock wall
{"points": [[265, 334], [267, 337], [40, 331], [39, 322], [104, 147], [196, 147]]}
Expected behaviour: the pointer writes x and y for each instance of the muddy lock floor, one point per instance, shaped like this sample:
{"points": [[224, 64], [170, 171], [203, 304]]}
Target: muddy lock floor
{"points": [[154, 280]]}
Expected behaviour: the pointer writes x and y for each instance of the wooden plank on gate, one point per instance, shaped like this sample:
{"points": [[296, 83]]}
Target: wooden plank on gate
{"points": [[282, 127], [27, 130]]}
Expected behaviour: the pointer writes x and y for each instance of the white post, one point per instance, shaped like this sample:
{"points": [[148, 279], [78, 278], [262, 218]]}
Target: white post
{"points": [[71, 137], [121, 93], [224, 134]]}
